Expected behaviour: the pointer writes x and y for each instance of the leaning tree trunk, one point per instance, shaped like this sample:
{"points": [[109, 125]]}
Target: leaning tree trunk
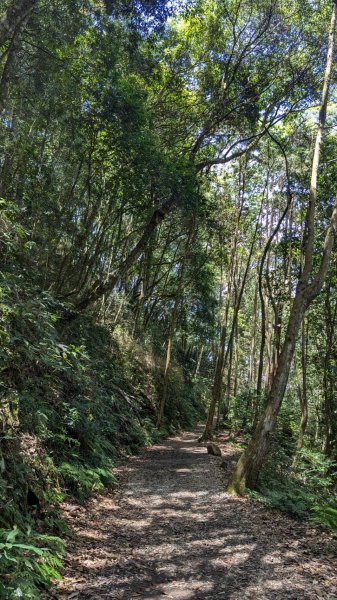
{"points": [[15, 15], [12, 24], [99, 287], [248, 467]]}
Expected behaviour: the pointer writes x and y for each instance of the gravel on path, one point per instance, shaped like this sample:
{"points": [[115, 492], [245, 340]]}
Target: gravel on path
{"points": [[172, 532]]}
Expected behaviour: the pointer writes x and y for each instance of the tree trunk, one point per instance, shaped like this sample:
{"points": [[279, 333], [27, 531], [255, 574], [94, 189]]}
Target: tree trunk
{"points": [[252, 357], [9, 68], [198, 365], [248, 467], [173, 327], [268, 366], [228, 387], [261, 269], [99, 287], [218, 379], [217, 386], [15, 15], [221, 356], [304, 392], [330, 427]]}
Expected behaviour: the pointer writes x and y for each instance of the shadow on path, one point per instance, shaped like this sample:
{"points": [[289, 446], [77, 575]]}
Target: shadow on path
{"points": [[171, 532]]}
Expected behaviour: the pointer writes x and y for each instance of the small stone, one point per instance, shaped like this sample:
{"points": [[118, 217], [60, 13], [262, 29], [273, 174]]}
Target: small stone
{"points": [[214, 450]]}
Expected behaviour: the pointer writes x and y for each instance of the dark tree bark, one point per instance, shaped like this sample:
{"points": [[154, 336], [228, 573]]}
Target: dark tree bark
{"points": [[99, 288], [15, 15], [9, 68]]}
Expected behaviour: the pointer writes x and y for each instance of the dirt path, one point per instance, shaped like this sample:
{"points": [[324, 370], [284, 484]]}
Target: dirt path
{"points": [[171, 532]]}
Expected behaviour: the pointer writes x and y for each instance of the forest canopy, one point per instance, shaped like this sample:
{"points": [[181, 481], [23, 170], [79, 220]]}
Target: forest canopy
{"points": [[168, 184]]}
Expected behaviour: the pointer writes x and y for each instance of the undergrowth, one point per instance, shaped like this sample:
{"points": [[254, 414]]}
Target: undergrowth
{"points": [[73, 398], [299, 482], [28, 561]]}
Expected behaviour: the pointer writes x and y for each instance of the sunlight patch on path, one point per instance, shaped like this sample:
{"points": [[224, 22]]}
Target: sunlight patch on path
{"points": [[174, 533]]}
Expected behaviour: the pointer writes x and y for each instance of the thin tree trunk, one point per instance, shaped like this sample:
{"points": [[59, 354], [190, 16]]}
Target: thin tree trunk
{"points": [[236, 361], [9, 67], [218, 379], [304, 389], [100, 288], [329, 379], [252, 357], [229, 384], [261, 269], [197, 368], [248, 467], [268, 367], [173, 326], [220, 356]]}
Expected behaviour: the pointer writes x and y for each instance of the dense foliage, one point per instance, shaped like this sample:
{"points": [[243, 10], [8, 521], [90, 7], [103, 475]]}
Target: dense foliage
{"points": [[155, 166]]}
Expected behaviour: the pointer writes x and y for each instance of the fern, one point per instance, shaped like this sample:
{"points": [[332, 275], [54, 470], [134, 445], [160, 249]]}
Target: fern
{"points": [[28, 560], [325, 515]]}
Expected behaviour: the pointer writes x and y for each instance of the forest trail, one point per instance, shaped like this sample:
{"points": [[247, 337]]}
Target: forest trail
{"points": [[171, 532]]}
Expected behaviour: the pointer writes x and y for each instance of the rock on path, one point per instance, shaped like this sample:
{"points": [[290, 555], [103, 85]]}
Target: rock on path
{"points": [[171, 532]]}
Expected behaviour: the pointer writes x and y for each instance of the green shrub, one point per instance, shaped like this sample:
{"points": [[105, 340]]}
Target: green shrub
{"points": [[298, 485], [81, 481], [28, 560], [325, 515], [73, 396], [241, 413]]}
